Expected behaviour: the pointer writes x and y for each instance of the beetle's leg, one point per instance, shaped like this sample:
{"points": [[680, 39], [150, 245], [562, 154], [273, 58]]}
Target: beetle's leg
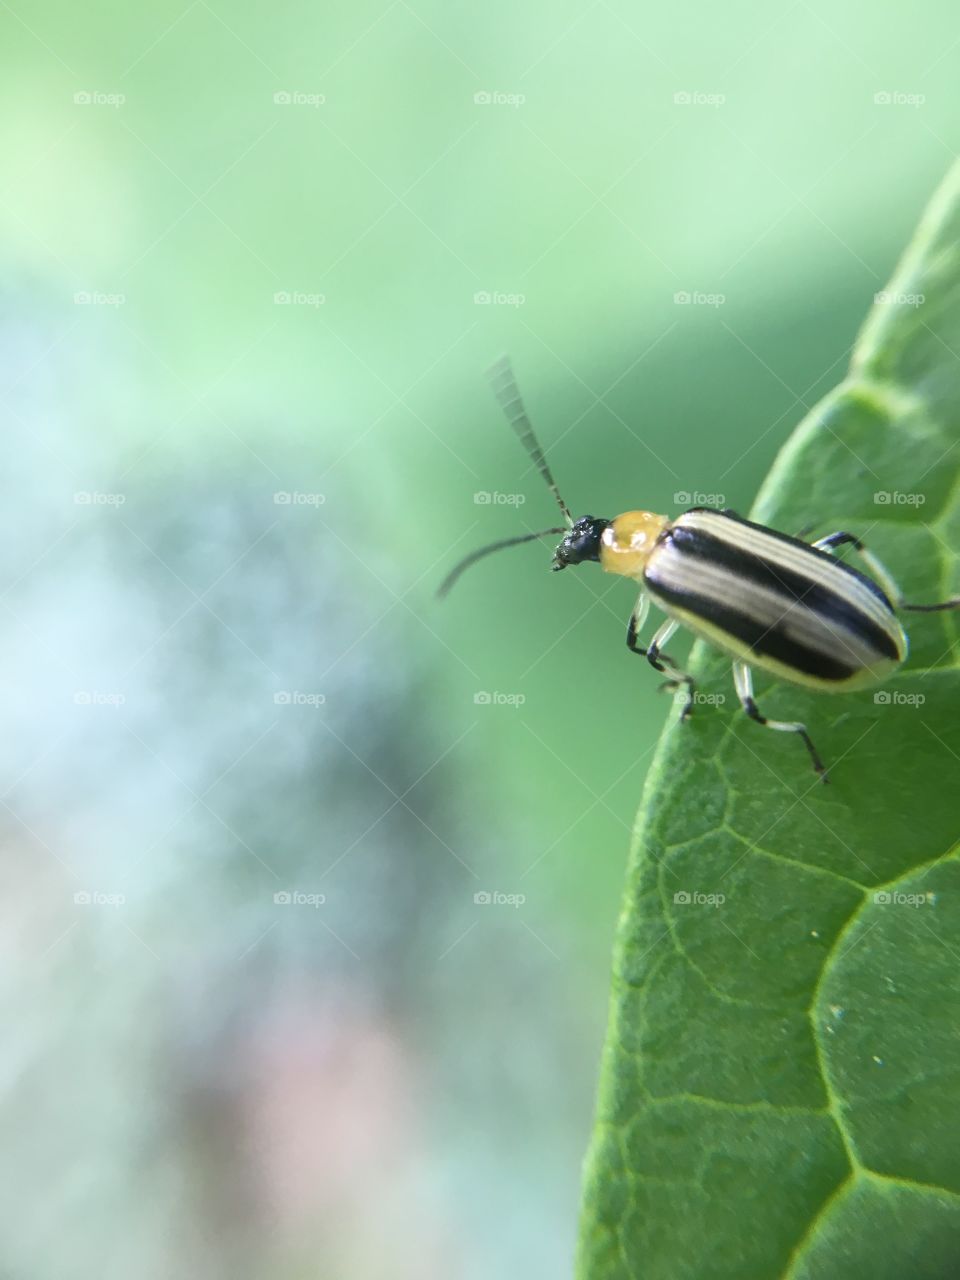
{"points": [[656, 657], [661, 662], [637, 619], [743, 680], [881, 573]]}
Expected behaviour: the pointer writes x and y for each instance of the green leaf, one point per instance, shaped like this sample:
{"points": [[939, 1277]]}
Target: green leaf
{"points": [[780, 1091]]}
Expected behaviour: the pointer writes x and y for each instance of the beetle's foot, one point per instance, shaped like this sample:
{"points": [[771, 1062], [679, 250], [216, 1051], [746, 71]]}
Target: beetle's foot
{"points": [[673, 685]]}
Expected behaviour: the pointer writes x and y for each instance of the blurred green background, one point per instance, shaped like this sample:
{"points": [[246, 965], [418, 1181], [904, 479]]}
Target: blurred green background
{"points": [[251, 251]]}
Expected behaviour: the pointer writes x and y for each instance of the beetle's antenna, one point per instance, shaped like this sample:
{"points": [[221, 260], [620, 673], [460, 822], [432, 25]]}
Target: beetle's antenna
{"points": [[474, 556], [508, 396], [932, 608]]}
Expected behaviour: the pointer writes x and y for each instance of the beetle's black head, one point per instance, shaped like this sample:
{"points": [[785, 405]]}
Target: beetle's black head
{"points": [[581, 543]]}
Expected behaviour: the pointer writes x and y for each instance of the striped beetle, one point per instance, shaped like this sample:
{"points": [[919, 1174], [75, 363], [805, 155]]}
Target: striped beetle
{"points": [[766, 599]]}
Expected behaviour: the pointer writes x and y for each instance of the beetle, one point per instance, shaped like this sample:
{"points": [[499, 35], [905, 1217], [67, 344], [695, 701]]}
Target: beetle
{"points": [[766, 599]]}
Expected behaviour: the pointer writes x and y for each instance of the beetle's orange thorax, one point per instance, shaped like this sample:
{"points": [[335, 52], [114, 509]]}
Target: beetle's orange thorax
{"points": [[627, 542]]}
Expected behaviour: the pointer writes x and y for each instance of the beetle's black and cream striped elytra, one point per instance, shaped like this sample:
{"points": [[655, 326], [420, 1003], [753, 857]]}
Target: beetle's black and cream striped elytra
{"points": [[766, 599]]}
